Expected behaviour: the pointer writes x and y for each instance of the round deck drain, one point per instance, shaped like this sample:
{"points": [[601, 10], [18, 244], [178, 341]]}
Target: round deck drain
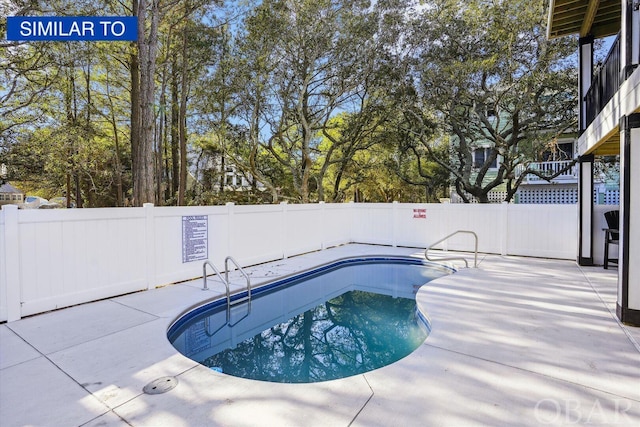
{"points": [[161, 385]]}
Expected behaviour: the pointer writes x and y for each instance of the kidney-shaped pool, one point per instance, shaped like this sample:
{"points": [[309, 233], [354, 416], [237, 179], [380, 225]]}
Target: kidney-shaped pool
{"points": [[333, 321]]}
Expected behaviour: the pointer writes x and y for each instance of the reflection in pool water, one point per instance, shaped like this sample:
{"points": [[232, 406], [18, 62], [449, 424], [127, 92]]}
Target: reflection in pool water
{"points": [[353, 333]]}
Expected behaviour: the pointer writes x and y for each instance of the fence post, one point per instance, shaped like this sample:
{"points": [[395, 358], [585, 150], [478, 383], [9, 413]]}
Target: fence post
{"points": [[283, 229], [504, 225], [150, 241], [352, 222], [323, 223], [394, 219], [12, 262], [230, 228]]}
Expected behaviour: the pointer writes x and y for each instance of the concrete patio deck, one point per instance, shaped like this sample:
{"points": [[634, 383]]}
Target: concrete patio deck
{"points": [[515, 342]]}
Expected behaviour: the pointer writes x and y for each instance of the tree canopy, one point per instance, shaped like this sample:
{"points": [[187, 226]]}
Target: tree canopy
{"points": [[300, 100]]}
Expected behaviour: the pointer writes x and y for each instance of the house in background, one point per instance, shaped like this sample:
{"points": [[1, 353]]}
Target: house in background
{"points": [[563, 189], [609, 125], [9, 195], [223, 172], [560, 152]]}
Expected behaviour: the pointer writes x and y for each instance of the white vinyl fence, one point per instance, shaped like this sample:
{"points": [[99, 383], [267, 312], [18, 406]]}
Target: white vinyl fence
{"points": [[57, 258]]}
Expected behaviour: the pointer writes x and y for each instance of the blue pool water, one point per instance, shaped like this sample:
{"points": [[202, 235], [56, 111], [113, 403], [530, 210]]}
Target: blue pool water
{"points": [[337, 320]]}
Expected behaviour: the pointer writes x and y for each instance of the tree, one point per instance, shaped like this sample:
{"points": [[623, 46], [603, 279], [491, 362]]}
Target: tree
{"points": [[143, 100], [485, 73], [27, 71], [57, 139], [316, 100], [304, 70], [412, 163], [347, 149]]}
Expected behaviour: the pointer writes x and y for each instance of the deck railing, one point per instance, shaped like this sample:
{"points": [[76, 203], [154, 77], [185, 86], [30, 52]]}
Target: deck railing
{"points": [[549, 169], [606, 82]]}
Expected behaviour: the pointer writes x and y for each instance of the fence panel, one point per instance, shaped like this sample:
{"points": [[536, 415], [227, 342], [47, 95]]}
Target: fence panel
{"points": [[547, 231], [67, 258], [64, 257], [373, 223], [336, 223], [486, 220], [303, 228], [436, 224], [413, 223], [257, 233]]}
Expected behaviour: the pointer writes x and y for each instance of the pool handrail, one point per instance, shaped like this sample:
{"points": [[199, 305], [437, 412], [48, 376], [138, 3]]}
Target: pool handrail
{"points": [[225, 280], [227, 293], [205, 286], [247, 298], [475, 259]]}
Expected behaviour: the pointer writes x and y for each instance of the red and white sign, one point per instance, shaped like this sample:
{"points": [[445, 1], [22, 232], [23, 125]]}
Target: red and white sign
{"points": [[420, 213]]}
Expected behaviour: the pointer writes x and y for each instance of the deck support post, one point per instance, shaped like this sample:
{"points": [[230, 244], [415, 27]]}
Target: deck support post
{"points": [[585, 210], [628, 302]]}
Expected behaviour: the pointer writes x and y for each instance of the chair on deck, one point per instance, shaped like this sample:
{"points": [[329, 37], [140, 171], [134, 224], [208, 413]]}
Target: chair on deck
{"points": [[611, 235]]}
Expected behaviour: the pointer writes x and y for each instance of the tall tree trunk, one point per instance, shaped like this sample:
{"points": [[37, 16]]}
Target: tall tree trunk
{"points": [[68, 187], [118, 165], [175, 114], [144, 182], [159, 194], [223, 172], [160, 141], [86, 134], [166, 171], [183, 123], [71, 106], [116, 141], [163, 161], [134, 70]]}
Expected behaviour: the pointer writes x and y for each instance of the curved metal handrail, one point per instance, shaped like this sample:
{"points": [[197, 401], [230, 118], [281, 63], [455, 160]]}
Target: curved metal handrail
{"points": [[215, 270], [225, 280], [248, 298], [475, 260], [227, 293]]}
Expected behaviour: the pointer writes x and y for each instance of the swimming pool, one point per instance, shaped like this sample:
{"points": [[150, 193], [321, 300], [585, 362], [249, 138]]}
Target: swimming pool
{"points": [[339, 319]]}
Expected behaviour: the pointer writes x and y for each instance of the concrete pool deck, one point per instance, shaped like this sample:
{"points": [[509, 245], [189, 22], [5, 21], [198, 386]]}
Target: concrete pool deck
{"points": [[517, 341]]}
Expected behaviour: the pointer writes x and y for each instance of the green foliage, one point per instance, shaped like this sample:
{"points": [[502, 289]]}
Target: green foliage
{"points": [[491, 79], [307, 100]]}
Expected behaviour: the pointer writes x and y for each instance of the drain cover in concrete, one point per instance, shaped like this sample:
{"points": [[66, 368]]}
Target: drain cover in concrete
{"points": [[161, 385]]}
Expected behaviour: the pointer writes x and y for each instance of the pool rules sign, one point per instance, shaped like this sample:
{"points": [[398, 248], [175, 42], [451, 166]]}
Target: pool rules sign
{"points": [[195, 238]]}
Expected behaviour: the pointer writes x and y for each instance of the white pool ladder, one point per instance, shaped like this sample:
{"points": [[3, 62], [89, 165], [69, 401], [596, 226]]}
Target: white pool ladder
{"points": [[246, 299], [475, 259]]}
